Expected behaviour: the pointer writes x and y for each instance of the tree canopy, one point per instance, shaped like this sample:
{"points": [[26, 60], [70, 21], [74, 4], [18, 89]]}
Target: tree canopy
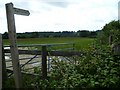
{"points": [[110, 29]]}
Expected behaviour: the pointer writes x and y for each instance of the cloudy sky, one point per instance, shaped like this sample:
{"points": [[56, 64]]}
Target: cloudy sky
{"points": [[61, 15]]}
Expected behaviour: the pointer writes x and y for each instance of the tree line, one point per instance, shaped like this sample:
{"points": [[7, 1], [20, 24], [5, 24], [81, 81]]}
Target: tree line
{"points": [[79, 33]]}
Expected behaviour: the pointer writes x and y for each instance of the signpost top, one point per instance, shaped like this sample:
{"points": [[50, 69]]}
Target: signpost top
{"points": [[19, 11]]}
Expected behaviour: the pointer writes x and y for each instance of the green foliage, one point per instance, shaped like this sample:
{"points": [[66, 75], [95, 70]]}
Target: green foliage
{"points": [[9, 83], [110, 29], [96, 68]]}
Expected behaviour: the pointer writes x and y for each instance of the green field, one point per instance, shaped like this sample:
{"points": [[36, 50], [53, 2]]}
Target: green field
{"points": [[80, 43]]}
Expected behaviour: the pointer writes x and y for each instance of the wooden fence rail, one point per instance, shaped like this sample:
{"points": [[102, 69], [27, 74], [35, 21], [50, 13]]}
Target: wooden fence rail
{"points": [[51, 53]]}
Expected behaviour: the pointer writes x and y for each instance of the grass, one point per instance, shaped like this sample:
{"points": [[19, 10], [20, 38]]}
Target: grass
{"points": [[80, 43]]}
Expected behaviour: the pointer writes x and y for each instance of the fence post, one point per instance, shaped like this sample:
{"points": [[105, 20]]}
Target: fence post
{"points": [[44, 62], [13, 44], [110, 39], [4, 71], [0, 61]]}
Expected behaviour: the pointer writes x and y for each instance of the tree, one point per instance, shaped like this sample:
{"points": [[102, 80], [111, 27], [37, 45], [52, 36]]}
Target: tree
{"points": [[83, 33], [5, 35], [110, 29]]}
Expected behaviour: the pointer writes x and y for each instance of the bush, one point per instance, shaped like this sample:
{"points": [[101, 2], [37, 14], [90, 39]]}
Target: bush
{"points": [[97, 68]]}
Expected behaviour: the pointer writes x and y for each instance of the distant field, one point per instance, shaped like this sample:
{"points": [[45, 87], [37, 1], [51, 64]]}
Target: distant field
{"points": [[80, 43]]}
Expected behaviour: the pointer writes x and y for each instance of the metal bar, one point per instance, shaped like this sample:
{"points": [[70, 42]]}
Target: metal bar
{"points": [[9, 66], [28, 61], [34, 62], [26, 58], [8, 61], [49, 64], [29, 68], [22, 65]]}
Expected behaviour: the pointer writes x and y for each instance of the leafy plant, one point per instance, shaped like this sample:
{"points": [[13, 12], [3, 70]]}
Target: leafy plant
{"points": [[96, 68]]}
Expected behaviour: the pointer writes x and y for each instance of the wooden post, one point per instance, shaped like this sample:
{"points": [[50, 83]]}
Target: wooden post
{"points": [[4, 71], [13, 44], [44, 62], [0, 61], [110, 39], [116, 49]]}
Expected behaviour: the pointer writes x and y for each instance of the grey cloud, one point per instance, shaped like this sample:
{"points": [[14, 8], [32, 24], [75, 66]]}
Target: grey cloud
{"points": [[59, 4], [99, 20], [59, 24], [22, 4]]}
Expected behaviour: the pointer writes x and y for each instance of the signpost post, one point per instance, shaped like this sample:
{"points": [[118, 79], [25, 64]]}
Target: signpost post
{"points": [[10, 11]]}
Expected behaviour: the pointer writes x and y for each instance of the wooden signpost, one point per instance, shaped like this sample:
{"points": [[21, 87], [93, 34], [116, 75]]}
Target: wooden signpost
{"points": [[21, 12], [10, 11]]}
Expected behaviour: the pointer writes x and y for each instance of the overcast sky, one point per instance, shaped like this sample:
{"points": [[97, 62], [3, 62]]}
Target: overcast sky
{"points": [[61, 15]]}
